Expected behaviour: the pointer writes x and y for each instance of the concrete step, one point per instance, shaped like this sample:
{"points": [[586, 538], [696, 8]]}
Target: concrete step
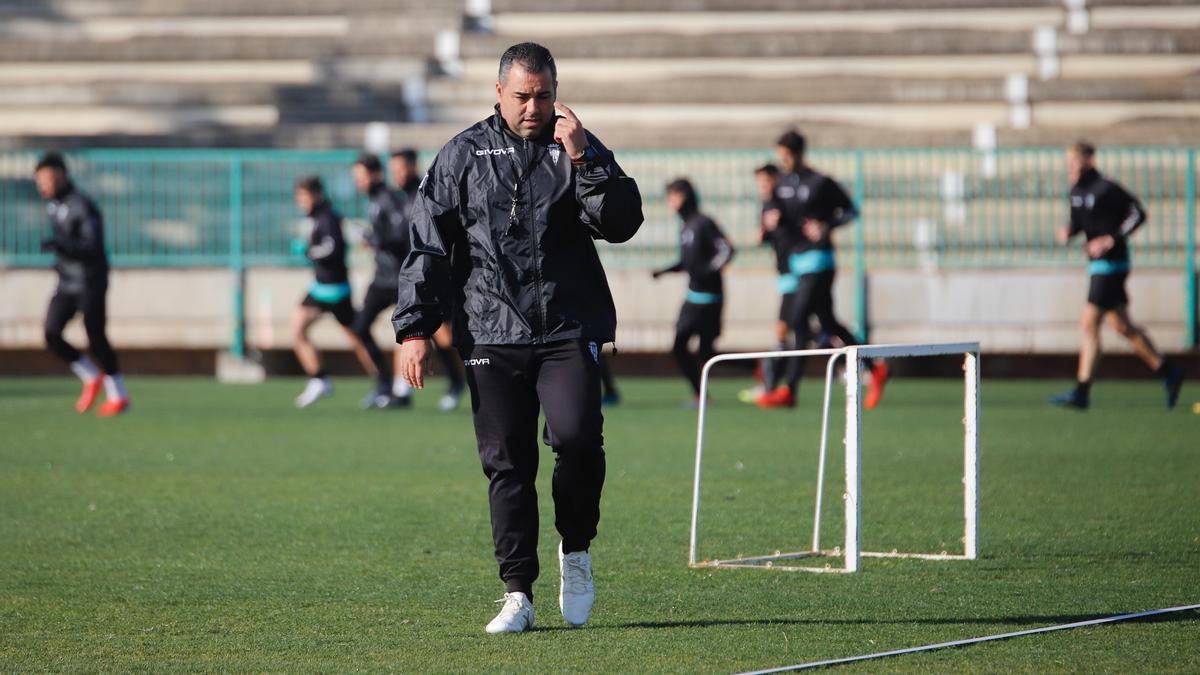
{"points": [[1079, 115], [166, 122], [827, 44], [639, 70], [557, 24], [219, 8], [341, 100], [835, 89], [503, 6], [212, 48], [125, 28], [228, 73], [114, 29]]}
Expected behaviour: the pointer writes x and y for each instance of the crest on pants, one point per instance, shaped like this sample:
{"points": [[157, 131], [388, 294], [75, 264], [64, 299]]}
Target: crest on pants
{"points": [[595, 350]]}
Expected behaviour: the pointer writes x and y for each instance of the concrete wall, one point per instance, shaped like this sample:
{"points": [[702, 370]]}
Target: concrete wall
{"points": [[1007, 310]]}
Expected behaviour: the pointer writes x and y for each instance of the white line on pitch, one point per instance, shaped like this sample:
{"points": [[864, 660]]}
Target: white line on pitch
{"points": [[971, 641]]}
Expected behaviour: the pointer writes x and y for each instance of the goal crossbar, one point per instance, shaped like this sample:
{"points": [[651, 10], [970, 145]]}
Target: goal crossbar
{"points": [[851, 551]]}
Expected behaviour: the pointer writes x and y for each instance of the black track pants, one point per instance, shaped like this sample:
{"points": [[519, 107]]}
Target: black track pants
{"points": [[92, 304], [508, 385], [377, 299]]}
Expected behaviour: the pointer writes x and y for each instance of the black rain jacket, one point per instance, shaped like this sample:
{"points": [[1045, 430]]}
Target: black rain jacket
{"points": [[77, 241], [502, 240], [390, 213]]}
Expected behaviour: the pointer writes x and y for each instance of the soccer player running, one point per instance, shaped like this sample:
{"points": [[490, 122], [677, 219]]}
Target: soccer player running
{"points": [[329, 292], [810, 205], [407, 178], [77, 242], [766, 178], [503, 238], [1106, 215], [704, 253], [388, 235]]}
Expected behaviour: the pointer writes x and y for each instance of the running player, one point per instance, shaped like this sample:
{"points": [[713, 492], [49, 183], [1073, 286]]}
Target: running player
{"points": [[704, 252], [407, 178], [1106, 215], [77, 242], [329, 291], [811, 205], [388, 235]]}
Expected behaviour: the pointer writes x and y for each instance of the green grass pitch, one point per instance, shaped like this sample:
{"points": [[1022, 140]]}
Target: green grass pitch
{"points": [[218, 528]]}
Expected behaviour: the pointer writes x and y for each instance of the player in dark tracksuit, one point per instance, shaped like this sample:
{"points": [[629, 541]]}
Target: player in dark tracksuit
{"points": [[328, 292], [503, 242], [704, 252], [77, 242], [388, 236], [406, 178], [811, 205], [1106, 215]]}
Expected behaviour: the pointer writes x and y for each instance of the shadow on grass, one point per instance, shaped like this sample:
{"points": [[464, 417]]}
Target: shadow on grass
{"points": [[1016, 622]]}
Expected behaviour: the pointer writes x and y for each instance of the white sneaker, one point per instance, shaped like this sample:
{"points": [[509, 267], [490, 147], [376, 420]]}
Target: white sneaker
{"points": [[515, 617], [448, 402], [316, 389], [576, 592]]}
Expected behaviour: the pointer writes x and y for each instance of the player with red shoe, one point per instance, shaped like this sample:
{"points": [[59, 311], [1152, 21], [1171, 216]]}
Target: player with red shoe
{"points": [[810, 205], [77, 242]]}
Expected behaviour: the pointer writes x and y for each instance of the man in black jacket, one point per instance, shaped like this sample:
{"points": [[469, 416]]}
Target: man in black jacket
{"points": [[502, 241], [77, 242], [704, 252], [403, 167], [1106, 215], [388, 235]]}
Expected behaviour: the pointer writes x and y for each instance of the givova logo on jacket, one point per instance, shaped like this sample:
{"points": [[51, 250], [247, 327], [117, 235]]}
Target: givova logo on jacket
{"points": [[476, 362], [495, 151]]}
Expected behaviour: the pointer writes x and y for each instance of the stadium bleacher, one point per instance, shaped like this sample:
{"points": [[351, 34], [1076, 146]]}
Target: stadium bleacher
{"points": [[680, 73]]}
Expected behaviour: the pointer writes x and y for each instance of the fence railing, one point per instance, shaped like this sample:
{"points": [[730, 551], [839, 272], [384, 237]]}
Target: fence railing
{"points": [[930, 208]]}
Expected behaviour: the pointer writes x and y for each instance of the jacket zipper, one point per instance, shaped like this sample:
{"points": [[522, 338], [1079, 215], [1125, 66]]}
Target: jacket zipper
{"points": [[537, 266]]}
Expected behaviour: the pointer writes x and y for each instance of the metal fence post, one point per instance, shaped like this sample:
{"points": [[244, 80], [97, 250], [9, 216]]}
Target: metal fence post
{"points": [[860, 247], [1192, 339], [236, 264]]}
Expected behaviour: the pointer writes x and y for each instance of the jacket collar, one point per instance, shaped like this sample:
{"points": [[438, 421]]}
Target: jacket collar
{"points": [[1088, 177], [67, 188]]}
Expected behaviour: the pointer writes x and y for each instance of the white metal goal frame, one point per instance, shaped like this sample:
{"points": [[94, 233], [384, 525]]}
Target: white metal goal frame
{"points": [[851, 551]]}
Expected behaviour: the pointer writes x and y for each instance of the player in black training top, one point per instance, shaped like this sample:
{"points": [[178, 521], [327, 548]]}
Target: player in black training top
{"points": [[810, 206], [406, 178], [329, 291], [1106, 215], [77, 242], [704, 252], [388, 235]]}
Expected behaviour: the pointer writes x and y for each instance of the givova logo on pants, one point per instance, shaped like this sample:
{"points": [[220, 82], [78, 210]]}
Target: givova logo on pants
{"points": [[476, 362]]}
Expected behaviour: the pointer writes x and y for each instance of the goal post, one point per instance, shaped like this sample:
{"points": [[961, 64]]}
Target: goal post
{"points": [[851, 550]]}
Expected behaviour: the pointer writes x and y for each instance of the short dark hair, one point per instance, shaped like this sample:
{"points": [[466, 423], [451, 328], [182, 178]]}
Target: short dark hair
{"points": [[312, 185], [407, 154], [793, 140], [51, 160], [768, 168], [532, 57], [1083, 149], [684, 187], [369, 162]]}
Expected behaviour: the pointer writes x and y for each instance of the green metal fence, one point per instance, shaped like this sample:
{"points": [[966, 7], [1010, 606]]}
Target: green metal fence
{"points": [[932, 208]]}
